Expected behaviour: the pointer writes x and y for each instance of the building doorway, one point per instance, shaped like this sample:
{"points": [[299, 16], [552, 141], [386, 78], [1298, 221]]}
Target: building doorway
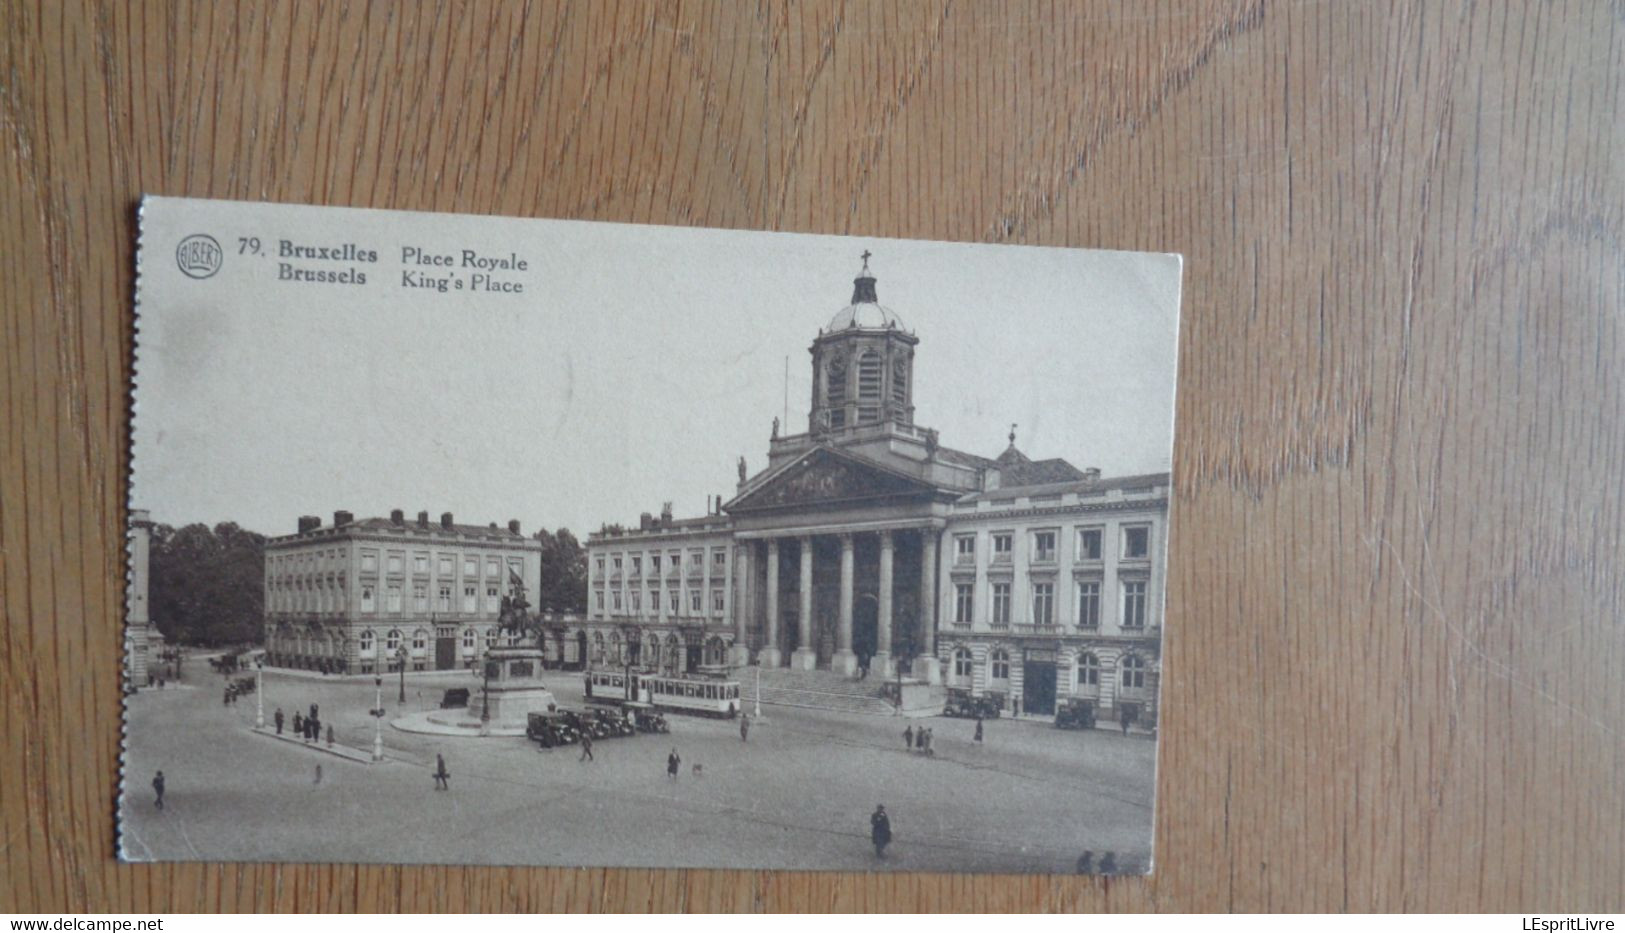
{"points": [[1038, 687], [445, 650]]}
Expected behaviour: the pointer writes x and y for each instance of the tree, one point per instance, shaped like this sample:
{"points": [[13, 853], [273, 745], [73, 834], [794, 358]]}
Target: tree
{"points": [[207, 585], [564, 572]]}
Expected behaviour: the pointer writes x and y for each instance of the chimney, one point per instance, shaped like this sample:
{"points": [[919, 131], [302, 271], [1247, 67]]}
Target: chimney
{"points": [[1091, 474], [445, 520], [397, 517], [719, 506], [645, 521], [309, 523], [665, 513], [342, 518], [513, 525], [423, 519]]}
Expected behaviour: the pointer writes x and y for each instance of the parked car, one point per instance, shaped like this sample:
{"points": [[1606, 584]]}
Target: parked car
{"points": [[455, 698], [550, 730], [1075, 713], [962, 704]]}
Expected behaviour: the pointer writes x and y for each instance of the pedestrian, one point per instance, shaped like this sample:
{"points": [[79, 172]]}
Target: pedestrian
{"points": [[880, 831], [978, 730], [1127, 719], [329, 735], [672, 763], [298, 723], [919, 739], [278, 720], [744, 728], [586, 746], [929, 735], [158, 788], [442, 777], [225, 698], [1017, 707], [318, 774], [1108, 864], [1086, 862], [160, 683], [908, 736]]}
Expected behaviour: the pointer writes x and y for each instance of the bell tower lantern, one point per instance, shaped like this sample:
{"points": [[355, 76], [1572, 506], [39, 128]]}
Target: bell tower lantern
{"points": [[862, 365]]}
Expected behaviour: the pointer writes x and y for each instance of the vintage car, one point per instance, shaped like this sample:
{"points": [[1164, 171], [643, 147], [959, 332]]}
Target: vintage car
{"points": [[646, 718], [612, 723], [550, 730], [455, 698], [1075, 713], [962, 704]]}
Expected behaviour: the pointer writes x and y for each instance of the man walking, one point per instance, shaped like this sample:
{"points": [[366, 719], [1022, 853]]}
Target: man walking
{"points": [[672, 764], [744, 727], [442, 777], [908, 737], [158, 788], [318, 774], [880, 831], [586, 746], [278, 719], [978, 730], [298, 723], [929, 751]]}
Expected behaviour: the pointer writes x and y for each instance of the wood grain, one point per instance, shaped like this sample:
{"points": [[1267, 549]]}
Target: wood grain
{"points": [[1395, 640]]}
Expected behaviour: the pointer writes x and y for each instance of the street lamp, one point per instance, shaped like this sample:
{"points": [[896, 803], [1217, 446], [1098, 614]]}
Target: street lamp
{"points": [[259, 692], [377, 712], [485, 692]]}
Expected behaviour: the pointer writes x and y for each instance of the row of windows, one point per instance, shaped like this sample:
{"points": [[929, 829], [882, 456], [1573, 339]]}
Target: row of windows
{"points": [[618, 562], [673, 600], [280, 568], [1135, 545], [1133, 604], [1131, 667]]}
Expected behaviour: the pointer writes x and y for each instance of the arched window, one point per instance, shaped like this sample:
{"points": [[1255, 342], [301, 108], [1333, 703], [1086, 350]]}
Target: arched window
{"points": [[490, 638], [652, 646], [392, 641], [715, 651], [470, 637], [1133, 671], [962, 662], [614, 647], [597, 647], [366, 643], [420, 641], [1088, 670], [999, 661], [869, 369]]}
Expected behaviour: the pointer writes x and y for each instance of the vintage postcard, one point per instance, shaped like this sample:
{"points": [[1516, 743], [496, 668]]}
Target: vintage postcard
{"points": [[478, 540]]}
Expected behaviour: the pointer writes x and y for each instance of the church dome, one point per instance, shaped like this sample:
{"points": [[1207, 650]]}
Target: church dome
{"points": [[865, 312]]}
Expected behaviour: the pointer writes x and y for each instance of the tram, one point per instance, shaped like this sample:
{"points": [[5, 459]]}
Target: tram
{"points": [[707, 696]]}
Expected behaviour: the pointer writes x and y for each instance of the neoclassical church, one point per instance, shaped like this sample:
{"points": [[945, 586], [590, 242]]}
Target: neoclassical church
{"points": [[866, 543]]}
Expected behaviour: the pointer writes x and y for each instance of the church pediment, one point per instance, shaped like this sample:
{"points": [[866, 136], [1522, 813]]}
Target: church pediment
{"points": [[825, 477]]}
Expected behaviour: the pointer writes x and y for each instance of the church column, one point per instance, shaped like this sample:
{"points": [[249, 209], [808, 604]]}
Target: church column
{"points": [[771, 654], [926, 666], [741, 606], [881, 663], [844, 661], [805, 657]]}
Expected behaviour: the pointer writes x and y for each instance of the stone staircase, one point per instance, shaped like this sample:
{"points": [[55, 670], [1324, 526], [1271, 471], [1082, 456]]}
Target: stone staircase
{"points": [[812, 690]]}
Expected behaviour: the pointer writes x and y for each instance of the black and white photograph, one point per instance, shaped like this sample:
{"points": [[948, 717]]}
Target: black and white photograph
{"points": [[479, 540]]}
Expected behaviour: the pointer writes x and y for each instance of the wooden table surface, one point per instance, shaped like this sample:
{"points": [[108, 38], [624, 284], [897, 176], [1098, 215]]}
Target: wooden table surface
{"points": [[1395, 650]]}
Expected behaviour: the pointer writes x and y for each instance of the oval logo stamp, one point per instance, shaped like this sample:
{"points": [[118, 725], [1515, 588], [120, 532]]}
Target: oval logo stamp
{"points": [[199, 255]]}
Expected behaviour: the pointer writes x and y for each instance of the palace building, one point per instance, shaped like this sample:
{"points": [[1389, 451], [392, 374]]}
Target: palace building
{"points": [[865, 541], [357, 596]]}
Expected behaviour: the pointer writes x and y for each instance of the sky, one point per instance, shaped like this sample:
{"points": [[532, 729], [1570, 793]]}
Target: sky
{"points": [[636, 367]]}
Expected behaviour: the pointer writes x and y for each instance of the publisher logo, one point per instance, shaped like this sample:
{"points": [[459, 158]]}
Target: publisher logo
{"points": [[199, 256]]}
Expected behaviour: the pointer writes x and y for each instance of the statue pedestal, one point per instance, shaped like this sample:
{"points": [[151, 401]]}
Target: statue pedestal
{"points": [[844, 662], [804, 659], [512, 691], [928, 669]]}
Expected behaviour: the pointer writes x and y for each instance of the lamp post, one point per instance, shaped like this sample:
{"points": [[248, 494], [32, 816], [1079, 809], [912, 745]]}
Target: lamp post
{"points": [[378, 718], [259, 692], [485, 691], [758, 691]]}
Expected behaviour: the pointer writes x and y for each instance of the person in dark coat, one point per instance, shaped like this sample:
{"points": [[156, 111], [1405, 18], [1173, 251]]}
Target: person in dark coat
{"points": [[586, 746], [1086, 862], [330, 735], [278, 720], [1108, 864], [442, 777], [158, 788], [978, 730], [908, 736], [298, 723], [880, 831], [672, 763], [744, 728]]}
